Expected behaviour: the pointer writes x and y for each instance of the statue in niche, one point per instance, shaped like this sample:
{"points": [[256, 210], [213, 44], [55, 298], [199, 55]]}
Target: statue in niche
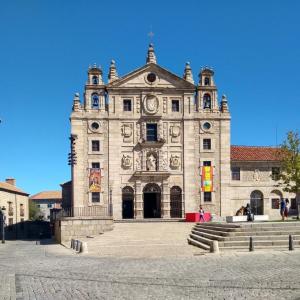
{"points": [[256, 175], [151, 163], [138, 164]]}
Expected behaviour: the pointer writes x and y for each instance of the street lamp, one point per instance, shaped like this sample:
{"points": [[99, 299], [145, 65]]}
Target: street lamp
{"points": [[2, 219]]}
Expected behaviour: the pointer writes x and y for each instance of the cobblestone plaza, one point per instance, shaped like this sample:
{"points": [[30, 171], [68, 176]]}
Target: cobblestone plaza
{"points": [[30, 271]]}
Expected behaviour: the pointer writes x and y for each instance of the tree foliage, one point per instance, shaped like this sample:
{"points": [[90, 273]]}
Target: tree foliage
{"points": [[289, 175], [34, 211]]}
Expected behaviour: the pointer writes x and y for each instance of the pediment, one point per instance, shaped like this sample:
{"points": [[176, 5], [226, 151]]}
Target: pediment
{"points": [[138, 79]]}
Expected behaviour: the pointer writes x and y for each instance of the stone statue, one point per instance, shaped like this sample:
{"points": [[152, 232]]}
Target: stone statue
{"points": [[151, 163]]}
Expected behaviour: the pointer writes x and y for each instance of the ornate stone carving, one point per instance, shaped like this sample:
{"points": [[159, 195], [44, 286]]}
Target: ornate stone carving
{"points": [[151, 163], [138, 132], [138, 104], [175, 161], [150, 104], [175, 132], [126, 161], [165, 104], [127, 130]]}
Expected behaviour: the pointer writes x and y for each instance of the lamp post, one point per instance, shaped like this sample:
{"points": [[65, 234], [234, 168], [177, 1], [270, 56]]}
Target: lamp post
{"points": [[2, 218]]}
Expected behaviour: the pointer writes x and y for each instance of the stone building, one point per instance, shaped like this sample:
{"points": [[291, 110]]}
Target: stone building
{"points": [[15, 202], [46, 201], [156, 145]]}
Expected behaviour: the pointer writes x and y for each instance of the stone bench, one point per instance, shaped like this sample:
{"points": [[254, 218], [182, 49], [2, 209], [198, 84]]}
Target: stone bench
{"points": [[233, 219]]}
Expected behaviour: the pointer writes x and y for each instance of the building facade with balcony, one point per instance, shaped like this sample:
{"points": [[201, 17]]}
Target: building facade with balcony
{"points": [[15, 204], [156, 145]]}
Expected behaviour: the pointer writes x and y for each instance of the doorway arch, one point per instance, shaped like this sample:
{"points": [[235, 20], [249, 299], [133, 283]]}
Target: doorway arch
{"points": [[257, 202], [127, 202], [176, 202], [152, 201]]}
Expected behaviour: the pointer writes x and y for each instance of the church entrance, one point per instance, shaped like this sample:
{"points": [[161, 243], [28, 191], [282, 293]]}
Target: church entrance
{"points": [[152, 201], [127, 202]]}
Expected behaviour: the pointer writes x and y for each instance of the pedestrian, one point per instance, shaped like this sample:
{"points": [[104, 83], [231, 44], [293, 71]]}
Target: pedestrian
{"points": [[201, 214], [248, 213], [282, 208], [286, 210]]}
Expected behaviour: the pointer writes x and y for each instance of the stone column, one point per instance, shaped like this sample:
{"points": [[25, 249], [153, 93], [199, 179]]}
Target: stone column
{"points": [[138, 207], [165, 201]]}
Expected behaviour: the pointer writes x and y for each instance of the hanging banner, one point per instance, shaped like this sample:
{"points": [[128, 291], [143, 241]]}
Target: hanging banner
{"points": [[95, 180], [207, 179]]}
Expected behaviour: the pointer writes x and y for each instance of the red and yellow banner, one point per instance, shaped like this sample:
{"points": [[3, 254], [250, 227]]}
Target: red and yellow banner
{"points": [[207, 179], [95, 180]]}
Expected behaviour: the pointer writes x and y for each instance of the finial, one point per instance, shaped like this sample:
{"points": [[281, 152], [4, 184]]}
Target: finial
{"points": [[224, 104], [188, 75], [76, 102], [112, 75], [151, 58]]}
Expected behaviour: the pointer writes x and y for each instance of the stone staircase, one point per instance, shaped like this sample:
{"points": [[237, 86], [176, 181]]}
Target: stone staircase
{"points": [[267, 235]]}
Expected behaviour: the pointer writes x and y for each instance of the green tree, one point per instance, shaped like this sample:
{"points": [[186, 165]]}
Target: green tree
{"points": [[34, 211], [289, 175]]}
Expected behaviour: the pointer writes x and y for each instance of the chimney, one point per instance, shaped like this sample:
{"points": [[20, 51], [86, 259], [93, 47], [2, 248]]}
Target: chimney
{"points": [[11, 181]]}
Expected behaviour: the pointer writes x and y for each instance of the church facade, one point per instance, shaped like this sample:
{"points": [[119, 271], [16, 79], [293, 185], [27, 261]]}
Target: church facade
{"points": [[155, 145]]}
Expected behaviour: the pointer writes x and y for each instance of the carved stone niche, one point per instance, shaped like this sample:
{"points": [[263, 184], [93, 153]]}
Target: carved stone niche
{"points": [[126, 161], [151, 162], [126, 131], [175, 132], [175, 162]]}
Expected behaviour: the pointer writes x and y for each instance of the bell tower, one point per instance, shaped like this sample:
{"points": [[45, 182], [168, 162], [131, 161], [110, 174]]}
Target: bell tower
{"points": [[207, 97]]}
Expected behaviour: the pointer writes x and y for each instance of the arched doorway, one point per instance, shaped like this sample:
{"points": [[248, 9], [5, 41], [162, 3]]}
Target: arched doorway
{"points": [[152, 201], [176, 202], [127, 202], [257, 202]]}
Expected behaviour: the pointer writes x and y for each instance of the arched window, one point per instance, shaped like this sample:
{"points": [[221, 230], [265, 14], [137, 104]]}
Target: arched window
{"points": [[95, 79], [175, 202], [206, 101], [95, 101], [257, 202], [206, 81]]}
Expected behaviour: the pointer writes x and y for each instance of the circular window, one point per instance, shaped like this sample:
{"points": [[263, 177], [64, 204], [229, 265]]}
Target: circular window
{"points": [[95, 126], [206, 126], [151, 77]]}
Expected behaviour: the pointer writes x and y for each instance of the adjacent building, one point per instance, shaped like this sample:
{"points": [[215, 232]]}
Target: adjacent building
{"points": [[46, 201], [14, 204], [156, 145]]}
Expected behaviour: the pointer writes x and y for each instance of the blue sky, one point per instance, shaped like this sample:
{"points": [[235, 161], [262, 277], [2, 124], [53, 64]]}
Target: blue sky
{"points": [[46, 47]]}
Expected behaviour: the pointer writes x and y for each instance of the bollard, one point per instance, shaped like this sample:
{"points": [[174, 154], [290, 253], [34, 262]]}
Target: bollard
{"points": [[214, 247], [83, 248], [251, 245], [291, 243], [72, 243]]}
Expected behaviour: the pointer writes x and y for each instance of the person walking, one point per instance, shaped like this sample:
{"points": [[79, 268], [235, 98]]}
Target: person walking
{"points": [[201, 214], [282, 208]]}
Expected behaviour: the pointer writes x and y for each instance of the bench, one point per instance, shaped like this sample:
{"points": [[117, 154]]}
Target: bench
{"points": [[233, 219]]}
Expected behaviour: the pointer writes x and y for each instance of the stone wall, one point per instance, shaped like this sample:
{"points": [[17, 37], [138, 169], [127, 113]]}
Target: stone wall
{"points": [[76, 227]]}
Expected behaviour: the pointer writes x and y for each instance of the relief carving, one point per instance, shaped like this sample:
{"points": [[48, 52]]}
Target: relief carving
{"points": [[175, 161], [175, 132], [127, 130], [126, 161], [150, 104], [256, 175], [165, 103], [151, 163]]}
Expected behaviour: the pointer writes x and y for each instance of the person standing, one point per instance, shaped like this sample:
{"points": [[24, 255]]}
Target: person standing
{"points": [[248, 213], [287, 206], [201, 214], [282, 208]]}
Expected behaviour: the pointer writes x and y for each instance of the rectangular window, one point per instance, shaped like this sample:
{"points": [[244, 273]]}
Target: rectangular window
{"points": [[38, 206], [96, 146], [275, 203], [207, 163], [49, 205], [275, 173], [126, 105], [293, 203], [95, 165], [207, 144], [236, 173], [175, 105], [152, 132], [95, 197], [207, 196]]}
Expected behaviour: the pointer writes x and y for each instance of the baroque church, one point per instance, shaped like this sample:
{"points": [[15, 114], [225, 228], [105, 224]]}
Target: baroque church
{"points": [[151, 144]]}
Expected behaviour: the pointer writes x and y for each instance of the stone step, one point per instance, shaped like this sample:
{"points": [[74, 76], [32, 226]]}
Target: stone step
{"points": [[223, 225], [196, 243], [265, 233], [261, 237], [208, 235], [212, 231], [246, 249], [218, 228], [257, 243]]}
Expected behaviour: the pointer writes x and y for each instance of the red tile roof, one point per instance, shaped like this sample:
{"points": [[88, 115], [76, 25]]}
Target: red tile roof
{"points": [[255, 153], [11, 188], [47, 195]]}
